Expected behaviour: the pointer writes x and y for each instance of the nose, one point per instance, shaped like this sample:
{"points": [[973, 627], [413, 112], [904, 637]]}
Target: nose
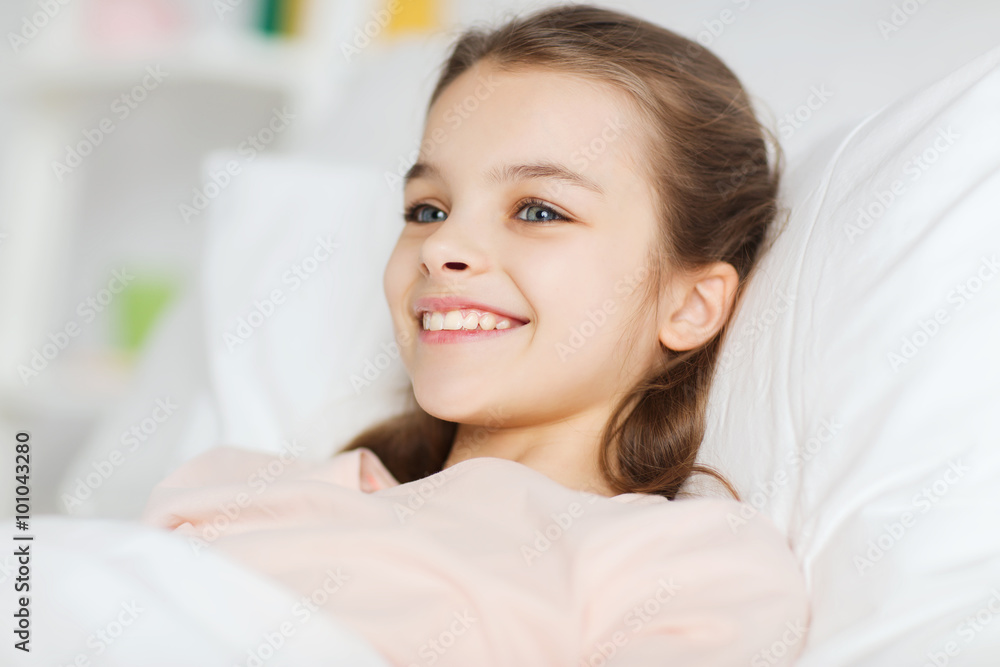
{"points": [[452, 250]]}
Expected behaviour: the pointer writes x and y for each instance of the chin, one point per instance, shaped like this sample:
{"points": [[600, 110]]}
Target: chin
{"points": [[442, 402]]}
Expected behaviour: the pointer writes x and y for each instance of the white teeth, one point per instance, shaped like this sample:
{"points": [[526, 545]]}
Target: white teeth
{"points": [[453, 321]]}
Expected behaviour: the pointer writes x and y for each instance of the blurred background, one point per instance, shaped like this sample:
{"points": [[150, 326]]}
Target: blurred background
{"points": [[108, 109]]}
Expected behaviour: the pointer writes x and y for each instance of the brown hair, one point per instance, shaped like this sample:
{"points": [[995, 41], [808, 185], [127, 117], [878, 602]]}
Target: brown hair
{"points": [[706, 157]]}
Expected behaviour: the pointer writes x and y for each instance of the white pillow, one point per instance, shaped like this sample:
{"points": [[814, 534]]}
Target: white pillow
{"points": [[285, 344], [299, 336], [858, 398]]}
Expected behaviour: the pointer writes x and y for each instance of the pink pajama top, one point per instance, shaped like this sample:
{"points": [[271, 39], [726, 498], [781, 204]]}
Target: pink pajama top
{"points": [[490, 562]]}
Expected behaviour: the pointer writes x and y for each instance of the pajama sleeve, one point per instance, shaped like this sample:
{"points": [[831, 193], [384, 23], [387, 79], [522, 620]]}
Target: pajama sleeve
{"points": [[205, 485]]}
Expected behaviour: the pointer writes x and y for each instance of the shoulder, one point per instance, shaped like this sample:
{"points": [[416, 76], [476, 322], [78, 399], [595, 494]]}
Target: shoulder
{"points": [[700, 520], [695, 575]]}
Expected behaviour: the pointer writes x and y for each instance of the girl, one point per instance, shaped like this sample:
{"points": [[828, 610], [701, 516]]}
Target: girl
{"points": [[591, 195]]}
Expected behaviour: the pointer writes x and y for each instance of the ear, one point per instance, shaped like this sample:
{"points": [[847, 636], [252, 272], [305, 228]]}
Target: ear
{"points": [[697, 306]]}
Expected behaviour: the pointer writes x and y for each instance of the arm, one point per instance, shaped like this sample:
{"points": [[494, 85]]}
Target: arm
{"points": [[237, 479]]}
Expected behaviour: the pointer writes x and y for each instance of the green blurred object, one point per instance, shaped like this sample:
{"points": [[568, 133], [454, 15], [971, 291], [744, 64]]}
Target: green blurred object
{"points": [[140, 304], [270, 20]]}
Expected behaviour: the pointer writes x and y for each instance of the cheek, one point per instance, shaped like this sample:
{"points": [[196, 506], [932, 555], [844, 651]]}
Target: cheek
{"points": [[566, 287], [585, 304], [398, 277], [400, 270]]}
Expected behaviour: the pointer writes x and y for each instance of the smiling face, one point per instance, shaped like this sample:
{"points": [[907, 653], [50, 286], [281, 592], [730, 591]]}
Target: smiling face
{"points": [[527, 202]]}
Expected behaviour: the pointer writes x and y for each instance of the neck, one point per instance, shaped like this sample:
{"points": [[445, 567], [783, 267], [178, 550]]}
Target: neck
{"points": [[565, 451]]}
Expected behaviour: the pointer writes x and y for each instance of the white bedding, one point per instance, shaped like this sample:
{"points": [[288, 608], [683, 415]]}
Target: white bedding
{"points": [[109, 592]]}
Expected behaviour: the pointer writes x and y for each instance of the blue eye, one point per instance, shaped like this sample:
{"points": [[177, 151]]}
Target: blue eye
{"points": [[541, 208], [542, 213], [412, 214]]}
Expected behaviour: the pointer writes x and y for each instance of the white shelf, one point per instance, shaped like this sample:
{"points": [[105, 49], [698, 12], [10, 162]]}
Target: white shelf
{"points": [[248, 61]]}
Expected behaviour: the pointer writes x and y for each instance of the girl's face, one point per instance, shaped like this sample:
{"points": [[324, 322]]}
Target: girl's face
{"points": [[527, 203]]}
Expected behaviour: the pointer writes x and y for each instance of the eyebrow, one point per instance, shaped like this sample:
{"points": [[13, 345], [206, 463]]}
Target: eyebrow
{"points": [[514, 172]]}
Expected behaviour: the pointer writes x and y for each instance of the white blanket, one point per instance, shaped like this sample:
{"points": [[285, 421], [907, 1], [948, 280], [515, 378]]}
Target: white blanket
{"points": [[108, 592]]}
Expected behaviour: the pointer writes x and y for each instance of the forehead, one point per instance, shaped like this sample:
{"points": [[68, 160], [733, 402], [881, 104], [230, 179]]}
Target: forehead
{"points": [[488, 117]]}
